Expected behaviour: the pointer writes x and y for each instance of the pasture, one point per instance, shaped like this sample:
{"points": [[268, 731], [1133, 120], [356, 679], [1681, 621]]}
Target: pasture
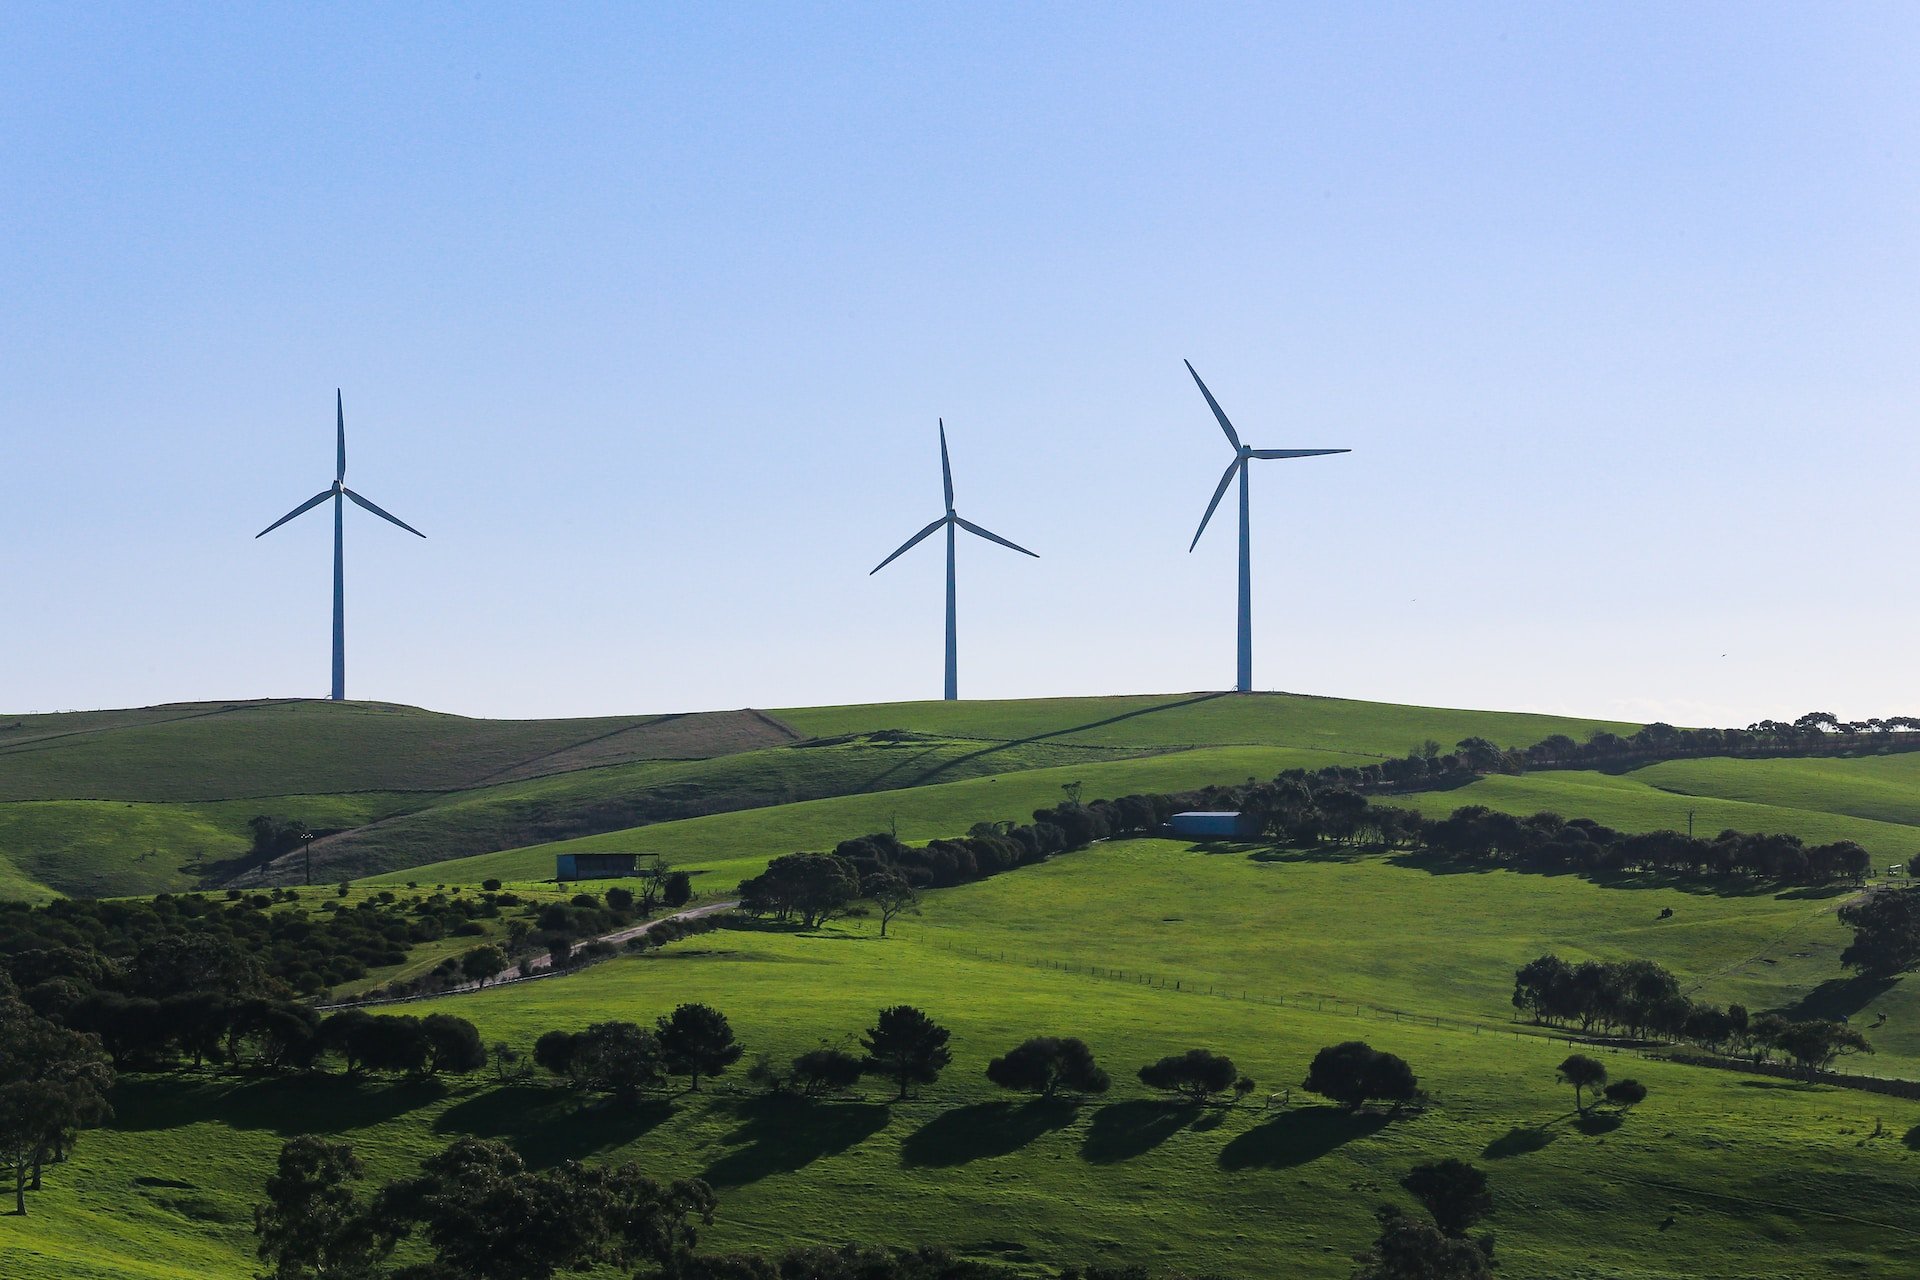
{"points": [[1761, 1177]]}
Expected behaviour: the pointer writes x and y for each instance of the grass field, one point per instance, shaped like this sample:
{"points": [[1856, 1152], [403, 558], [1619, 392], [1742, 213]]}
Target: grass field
{"points": [[1760, 1177], [1140, 946], [423, 787]]}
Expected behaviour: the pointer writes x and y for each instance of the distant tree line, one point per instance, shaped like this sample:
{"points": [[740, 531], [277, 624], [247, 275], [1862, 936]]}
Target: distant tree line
{"points": [[810, 889], [1640, 999]]}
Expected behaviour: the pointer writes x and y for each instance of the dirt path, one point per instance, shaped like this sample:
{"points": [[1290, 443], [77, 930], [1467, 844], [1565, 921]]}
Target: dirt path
{"points": [[542, 963]]}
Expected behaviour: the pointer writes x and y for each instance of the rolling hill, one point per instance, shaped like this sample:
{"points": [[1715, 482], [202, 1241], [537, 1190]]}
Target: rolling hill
{"points": [[168, 791]]}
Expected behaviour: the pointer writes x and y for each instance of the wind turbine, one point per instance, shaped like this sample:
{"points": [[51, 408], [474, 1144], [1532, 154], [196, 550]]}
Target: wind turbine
{"points": [[952, 520], [337, 491], [1242, 455]]}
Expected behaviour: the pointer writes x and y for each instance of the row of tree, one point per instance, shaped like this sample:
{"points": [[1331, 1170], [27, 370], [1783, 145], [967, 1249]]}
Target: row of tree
{"points": [[907, 1048], [1641, 999]]}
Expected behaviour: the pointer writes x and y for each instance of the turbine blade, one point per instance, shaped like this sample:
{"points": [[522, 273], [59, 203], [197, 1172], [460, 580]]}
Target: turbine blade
{"points": [[304, 507], [1294, 453], [1232, 435], [906, 546], [387, 516], [340, 423], [971, 527], [1226, 479], [946, 468]]}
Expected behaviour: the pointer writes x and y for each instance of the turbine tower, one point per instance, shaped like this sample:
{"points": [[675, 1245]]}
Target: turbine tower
{"points": [[952, 520], [1241, 456], [337, 491]]}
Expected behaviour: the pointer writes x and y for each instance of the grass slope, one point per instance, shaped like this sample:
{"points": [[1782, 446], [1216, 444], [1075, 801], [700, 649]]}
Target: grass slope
{"points": [[1627, 802], [230, 751], [1760, 1178], [727, 847], [1880, 788], [479, 786], [1199, 719], [620, 797], [105, 848]]}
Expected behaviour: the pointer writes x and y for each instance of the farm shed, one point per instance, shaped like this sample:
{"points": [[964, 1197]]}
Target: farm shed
{"points": [[592, 866], [1219, 824]]}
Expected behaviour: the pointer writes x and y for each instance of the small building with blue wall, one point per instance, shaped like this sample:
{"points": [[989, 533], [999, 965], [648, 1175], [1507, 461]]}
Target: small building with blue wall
{"points": [[593, 866], [1218, 824]]}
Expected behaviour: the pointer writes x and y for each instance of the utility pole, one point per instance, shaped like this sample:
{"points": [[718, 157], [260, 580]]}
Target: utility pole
{"points": [[306, 844], [1689, 824]]}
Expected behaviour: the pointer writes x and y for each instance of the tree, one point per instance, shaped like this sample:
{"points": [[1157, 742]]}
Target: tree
{"points": [[554, 1051], [394, 1042], [313, 1224], [696, 1040], [486, 1216], [453, 1045], [1626, 1094], [1886, 932], [1582, 1073], [508, 1062], [1197, 1074], [653, 875], [1453, 1191], [482, 963], [907, 1047], [815, 887], [677, 890], [1815, 1043], [893, 894], [1354, 1073], [53, 1082], [1409, 1249], [824, 1070], [615, 1058], [1046, 1064]]}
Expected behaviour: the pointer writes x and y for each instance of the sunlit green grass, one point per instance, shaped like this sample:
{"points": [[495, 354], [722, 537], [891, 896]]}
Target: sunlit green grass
{"points": [[724, 848], [1760, 1178], [1881, 788], [1201, 719]]}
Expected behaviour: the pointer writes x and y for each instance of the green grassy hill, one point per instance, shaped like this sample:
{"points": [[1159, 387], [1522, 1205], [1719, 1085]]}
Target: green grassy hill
{"points": [[173, 787], [1717, 1174], [1142, 947]]}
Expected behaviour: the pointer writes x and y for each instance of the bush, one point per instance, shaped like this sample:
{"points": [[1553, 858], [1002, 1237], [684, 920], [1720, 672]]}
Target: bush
{"points": [[1198, 1074], [1046, 1064], [1354, 1073]]}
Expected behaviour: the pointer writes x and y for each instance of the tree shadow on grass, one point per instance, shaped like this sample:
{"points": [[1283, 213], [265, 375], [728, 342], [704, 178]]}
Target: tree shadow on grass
{"points": [[551, 1126], [1334, 853], [984, 1130], [1298, 1137], [1838, 999], [1438, 863], [1595, 1123], [1123, 1130], [780, 1133], [1518, 1141], [285, 1106], [1790, 1086]]}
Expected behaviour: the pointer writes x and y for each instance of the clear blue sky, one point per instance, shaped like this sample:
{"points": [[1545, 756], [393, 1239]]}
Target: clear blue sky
{"points": [[645, 316]]}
